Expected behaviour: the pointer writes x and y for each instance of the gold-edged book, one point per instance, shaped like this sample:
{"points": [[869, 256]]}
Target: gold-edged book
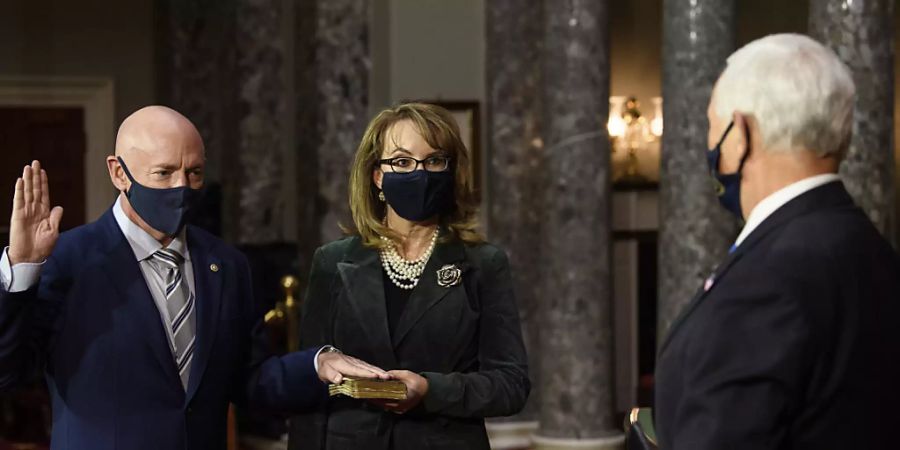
{"points": [[369, 389]]}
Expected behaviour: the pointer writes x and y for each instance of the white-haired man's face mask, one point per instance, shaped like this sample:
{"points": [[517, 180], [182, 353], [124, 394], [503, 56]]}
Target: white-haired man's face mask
{"points": [[728, 153]]}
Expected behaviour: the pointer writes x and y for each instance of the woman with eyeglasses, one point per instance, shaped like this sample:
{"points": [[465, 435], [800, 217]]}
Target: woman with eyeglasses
{"points": [[415, 289]]}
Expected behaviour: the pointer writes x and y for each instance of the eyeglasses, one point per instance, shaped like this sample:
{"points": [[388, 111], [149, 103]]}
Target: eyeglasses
{"points": [[407, 164]]}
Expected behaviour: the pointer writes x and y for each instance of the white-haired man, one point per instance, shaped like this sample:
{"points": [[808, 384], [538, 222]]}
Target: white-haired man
{"points": [[793, 343]]}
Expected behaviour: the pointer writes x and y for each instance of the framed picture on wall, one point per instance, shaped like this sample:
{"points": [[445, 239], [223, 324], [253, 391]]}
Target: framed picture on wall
{"points": [[468, 118]]}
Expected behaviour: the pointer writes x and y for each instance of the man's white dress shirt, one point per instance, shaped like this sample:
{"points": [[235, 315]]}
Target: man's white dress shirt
{"points": [[773, 202]]}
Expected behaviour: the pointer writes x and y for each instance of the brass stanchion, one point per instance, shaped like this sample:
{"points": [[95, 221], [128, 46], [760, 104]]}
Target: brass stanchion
{"points": [[284, 320]]}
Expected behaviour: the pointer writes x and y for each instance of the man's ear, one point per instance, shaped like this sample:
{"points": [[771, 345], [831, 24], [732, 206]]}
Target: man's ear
{"points": [[116, 174], [742, 129]]}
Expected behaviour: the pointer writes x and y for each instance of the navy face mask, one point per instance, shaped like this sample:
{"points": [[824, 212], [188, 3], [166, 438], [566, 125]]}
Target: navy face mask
{"points": [[420, 194], [728, 186], [166, 210]]}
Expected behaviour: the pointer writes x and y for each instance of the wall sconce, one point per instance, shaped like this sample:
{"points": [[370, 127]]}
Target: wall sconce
{"points": [[634, 140], [616, 125], [656, 124]]}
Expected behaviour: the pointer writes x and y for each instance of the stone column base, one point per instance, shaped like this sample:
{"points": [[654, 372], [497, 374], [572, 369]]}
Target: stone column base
{"points": [[614, 442], [511, 435]]}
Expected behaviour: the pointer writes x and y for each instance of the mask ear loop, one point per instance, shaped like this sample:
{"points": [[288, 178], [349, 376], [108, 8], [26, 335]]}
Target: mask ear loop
{"points": [[719, 145], [721, 139], [127, 174]]}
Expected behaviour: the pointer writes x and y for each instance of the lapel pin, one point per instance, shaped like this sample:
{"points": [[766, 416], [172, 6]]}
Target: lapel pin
{"points": [[449, 275], [709, 283], [214, 267]]}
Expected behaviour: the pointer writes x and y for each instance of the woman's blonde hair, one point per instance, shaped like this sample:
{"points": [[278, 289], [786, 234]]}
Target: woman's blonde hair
{"points": [[440, 130]]}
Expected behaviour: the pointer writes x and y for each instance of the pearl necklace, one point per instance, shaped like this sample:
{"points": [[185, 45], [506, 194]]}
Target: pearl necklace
{"points": [[403, 273]]}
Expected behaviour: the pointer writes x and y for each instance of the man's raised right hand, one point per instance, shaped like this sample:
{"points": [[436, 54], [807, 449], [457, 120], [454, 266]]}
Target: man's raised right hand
{"points": [[34, 226]]}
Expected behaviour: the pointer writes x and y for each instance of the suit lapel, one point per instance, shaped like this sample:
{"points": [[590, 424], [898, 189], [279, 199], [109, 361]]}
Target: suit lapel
{"points": [[362, 277], [831, 195], [127, 278], [428, 292], [699, 296], [208, 286]]}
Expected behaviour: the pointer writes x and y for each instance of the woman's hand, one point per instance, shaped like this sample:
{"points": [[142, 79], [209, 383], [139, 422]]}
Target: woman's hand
{"points": [[416, 389]]}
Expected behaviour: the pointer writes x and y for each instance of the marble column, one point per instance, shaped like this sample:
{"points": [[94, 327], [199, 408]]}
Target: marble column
{"points": [[695, 231], [332, 83], [308, 139], [222, 64], [331, 79], [577, 348], [227, 65], [514, 218], [195, 54], [260, 108], [861, 33]]}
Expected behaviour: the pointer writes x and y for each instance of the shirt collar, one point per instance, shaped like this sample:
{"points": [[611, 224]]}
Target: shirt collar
{"points": [[142, 244], [773, 202]]}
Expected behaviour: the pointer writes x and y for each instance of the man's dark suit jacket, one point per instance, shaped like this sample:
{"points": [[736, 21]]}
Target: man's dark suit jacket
{"points": [[796, 345], [465, 339], [93, 328]]}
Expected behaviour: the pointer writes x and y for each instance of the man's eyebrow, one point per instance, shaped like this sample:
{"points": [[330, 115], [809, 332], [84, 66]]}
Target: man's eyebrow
{"points": [[165, 166]]}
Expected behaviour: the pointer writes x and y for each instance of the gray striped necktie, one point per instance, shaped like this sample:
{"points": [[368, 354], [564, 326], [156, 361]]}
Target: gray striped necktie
{"points": [[180, 303]]}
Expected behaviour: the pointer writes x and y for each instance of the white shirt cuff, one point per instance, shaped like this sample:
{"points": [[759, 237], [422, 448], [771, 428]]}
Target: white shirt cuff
{"points": [[18, 278], [316, 359]]}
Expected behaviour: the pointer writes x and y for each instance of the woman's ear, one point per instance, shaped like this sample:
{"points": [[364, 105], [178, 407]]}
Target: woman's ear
{"points": [[377, 176]]}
